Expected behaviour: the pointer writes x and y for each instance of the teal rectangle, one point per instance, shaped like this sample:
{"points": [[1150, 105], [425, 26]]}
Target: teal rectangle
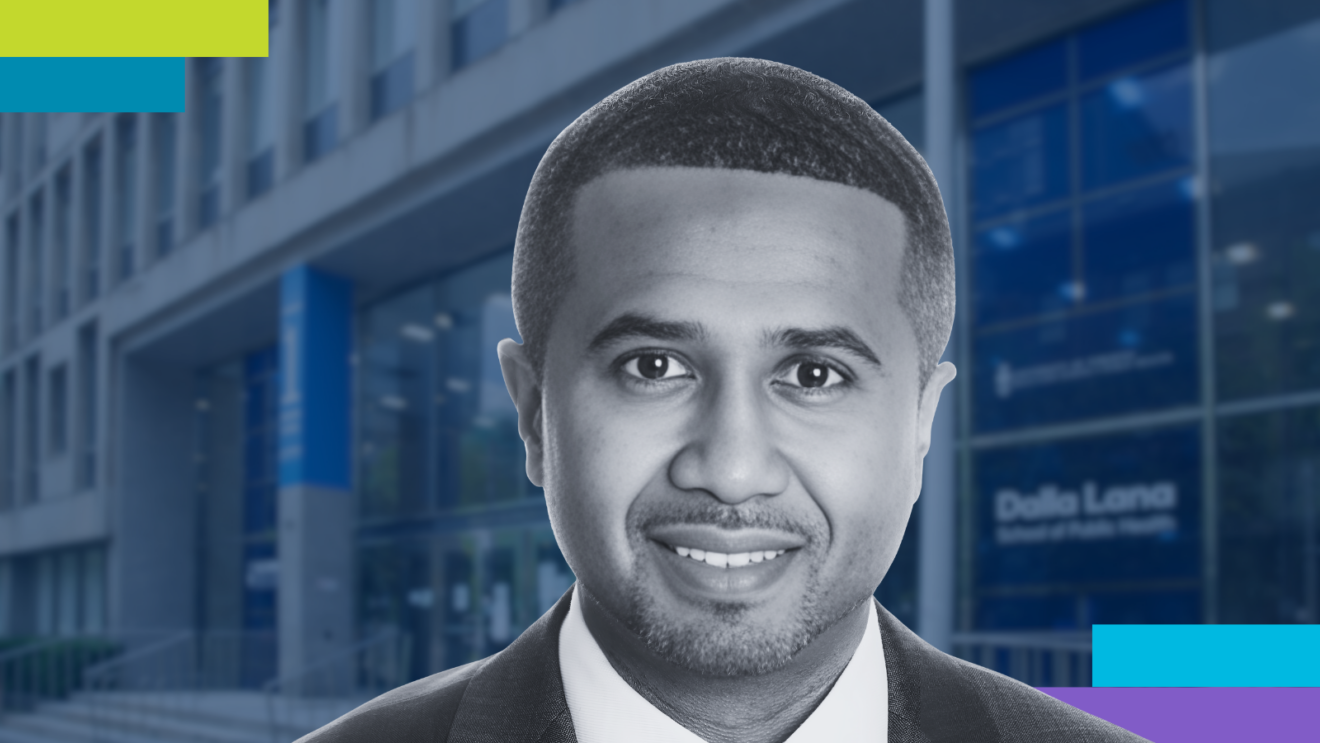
{"points": [[1205, 655], [93, 84]]}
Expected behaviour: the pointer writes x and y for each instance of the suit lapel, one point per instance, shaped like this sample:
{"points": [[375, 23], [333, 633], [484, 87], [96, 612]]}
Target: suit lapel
{"points": [[929, 700], [518, 695]]}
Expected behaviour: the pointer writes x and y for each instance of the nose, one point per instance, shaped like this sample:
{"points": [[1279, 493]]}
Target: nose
{"points": [[731, 452]]}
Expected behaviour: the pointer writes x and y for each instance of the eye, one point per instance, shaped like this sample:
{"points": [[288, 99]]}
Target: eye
{"points": [[812, 375], [655, 366]]}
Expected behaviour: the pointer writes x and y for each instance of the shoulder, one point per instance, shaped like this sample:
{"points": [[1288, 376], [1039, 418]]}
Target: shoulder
{"points": [[936, 697], [420, 711], [1021, 713]]}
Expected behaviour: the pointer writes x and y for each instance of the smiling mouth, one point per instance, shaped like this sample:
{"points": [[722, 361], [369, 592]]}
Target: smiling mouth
{"points": [[724, 559]]}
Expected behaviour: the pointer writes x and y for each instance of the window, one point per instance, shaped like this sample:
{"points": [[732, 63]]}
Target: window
{"points": [[91, 208], [479, 27], [36, 266], [87, 402], [1083, 255], [165, 134], [320, 112], [209, 121], [1269, 527], [8, 440], [12, 284], [61, 286], [393, 24], [57, 420], [126, 142], [260, 124], [32, 431], [1264, 141], [37, 123]]}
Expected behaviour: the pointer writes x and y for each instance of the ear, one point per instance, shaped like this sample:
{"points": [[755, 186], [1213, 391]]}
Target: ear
{"points": [[930, 399], [525, 388]]}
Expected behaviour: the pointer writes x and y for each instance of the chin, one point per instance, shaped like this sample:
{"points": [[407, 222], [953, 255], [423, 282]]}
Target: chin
{"points": [[727, 639]]}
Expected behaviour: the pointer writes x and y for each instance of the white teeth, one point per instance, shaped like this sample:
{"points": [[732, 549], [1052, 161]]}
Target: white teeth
{"points": [[722, 560]]}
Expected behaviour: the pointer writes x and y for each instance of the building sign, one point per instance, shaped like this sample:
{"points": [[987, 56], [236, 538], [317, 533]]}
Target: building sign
{"points": [[315, 394], [1118, 509], [1141, 357]]}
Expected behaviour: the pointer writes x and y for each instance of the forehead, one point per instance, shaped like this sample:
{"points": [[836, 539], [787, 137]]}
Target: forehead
{"points": [[692, 239]]}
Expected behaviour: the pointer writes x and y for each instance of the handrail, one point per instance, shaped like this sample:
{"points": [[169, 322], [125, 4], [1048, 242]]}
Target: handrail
{"points": [[1079, 642], [104, 667], [321, 691], [389, 635]]}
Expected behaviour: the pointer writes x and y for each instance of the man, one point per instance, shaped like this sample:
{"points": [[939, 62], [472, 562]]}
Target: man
{"points": [[734, 281]]}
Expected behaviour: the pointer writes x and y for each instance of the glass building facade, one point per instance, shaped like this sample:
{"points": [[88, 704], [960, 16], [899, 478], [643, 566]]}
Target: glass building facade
{"points": [[1133, 190], [1143, 372]]}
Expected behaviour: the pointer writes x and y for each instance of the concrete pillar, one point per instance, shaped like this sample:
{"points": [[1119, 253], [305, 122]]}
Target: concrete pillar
{"points": [[937, 559], [315, 506], [348, 55]]}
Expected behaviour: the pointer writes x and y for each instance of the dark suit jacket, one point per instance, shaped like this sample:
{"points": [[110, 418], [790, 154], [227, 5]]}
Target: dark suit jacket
{"points": [[517, 695]]}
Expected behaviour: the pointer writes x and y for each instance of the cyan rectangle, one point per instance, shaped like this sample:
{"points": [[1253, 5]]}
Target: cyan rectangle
{"points": [[1205, 655], [93, 84]]}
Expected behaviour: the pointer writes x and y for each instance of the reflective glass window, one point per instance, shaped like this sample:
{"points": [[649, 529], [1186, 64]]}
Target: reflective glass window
{"points": [[1023, 268], [1264, 126], [1137, 126], [1148, 32], [1084, 236], [1269, 522], [479, 27], [1140, 241], [1093, 530], [1021, 162], [456, 550], [1030, 74], [1140, 356], [393, 27]]}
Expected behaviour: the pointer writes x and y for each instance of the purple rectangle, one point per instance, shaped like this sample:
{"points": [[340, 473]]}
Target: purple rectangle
{"points": [[1203, 715]]}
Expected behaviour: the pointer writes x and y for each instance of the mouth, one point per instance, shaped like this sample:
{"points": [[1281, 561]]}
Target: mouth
{"points": [[724, 559], [706, 562]]}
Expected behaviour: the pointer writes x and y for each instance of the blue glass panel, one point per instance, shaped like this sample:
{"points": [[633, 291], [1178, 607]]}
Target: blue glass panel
{"points": [[480, 32], [1136, 126], [1023, 268], [392, 87], [1020, 162], [1151, 31], [1035, 72], [1137, 357], [320, 133], [1110, 512], [1140, 241]]}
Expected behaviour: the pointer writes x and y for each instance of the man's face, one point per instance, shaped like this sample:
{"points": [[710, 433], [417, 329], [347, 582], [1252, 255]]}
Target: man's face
{"points": [[731, 425]]}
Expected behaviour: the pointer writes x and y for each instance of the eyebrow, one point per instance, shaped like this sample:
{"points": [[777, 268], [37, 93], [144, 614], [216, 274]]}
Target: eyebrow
{"points": [[635, 325], [835, 336]]}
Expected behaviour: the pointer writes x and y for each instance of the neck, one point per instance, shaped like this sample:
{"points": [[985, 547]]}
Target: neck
{"points": [[726, 709]]}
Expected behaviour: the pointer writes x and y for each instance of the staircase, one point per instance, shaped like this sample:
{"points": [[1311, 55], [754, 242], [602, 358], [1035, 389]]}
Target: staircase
{"points": [[177, 717]]}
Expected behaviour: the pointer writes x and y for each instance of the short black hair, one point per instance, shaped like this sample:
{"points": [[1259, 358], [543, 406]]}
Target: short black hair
{"points": [[740, 114]]}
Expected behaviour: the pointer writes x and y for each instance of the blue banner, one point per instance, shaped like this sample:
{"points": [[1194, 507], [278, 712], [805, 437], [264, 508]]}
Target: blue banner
{"points": [[316, 342]]}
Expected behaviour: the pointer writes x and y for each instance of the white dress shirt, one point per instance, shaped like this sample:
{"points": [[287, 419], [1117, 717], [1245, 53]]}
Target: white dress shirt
{"points": [[606, 709]]}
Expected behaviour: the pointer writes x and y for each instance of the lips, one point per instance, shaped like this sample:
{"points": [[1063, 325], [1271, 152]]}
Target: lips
{"points": [[708, 562], [726, 560]]}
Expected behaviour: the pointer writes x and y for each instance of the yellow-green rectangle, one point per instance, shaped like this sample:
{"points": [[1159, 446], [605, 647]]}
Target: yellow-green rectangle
{"points": [[133, 28]]}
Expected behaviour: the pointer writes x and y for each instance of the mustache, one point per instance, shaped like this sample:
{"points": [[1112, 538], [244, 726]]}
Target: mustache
{"points": [[643, 518]]}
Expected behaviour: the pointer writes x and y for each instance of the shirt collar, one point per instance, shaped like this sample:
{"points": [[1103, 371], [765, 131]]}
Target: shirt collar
{"points": [[606, 709]]}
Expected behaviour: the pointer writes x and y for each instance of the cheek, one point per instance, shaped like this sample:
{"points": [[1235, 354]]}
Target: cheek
{"points": [[861, 476], [597, 463]]}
